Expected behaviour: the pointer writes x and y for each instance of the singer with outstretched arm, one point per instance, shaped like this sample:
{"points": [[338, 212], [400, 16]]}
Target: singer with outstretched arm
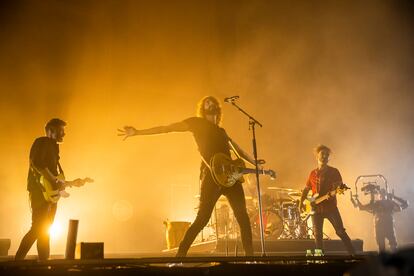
{"points": [[210, 139]]}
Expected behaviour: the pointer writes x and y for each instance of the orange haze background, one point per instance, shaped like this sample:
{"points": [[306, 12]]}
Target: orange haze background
{"points": [[332, 72]]}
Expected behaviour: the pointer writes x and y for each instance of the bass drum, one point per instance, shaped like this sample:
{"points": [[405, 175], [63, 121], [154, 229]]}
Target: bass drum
{"points": [[272, 223]]}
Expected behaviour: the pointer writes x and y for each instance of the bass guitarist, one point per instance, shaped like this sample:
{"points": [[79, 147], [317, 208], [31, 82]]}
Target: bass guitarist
{"points": [[44, 163], [211, 139], [323, 180]]}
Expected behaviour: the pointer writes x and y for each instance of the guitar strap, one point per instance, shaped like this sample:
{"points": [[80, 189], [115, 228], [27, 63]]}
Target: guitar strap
{"points": [[60, 169], [205, 163], [37, 174], [233, 148], [34, 169]]}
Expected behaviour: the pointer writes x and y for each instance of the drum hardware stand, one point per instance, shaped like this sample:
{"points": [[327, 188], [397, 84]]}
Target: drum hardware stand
{"points": [[305, 222], [226, 231], [216, 224], [327, 237], [236, 244], [227, 239], [252, 127]]}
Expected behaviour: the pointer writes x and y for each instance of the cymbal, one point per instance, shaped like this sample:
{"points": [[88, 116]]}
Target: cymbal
{"points": [[281, 189], [295, 193], [223, 198]]}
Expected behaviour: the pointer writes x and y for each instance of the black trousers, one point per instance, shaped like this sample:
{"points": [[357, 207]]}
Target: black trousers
{"points": [[385, 230], [43, 215], [209, 194], [335, 218]]}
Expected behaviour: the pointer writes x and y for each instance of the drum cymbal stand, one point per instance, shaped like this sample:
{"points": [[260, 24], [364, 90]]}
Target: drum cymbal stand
{"points": [[308, 229], [305, 222], [252, 126], [217, 230], [236, 238]]}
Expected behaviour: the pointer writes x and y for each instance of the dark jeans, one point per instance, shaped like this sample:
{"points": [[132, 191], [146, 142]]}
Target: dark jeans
{"points": [[209, 194], [385, 230], [43, 214], [335, 218]]}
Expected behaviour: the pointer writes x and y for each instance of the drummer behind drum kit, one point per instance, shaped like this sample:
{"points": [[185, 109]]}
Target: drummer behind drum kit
{"points": [[282, 218]]}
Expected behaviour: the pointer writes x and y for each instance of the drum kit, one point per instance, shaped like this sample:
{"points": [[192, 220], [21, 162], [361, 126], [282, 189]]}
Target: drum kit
{"points": [[282, 218]]}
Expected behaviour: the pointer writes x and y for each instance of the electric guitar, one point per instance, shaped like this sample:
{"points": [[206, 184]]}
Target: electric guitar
{"points": [[53, 195], [312, 201], [226, 172]]}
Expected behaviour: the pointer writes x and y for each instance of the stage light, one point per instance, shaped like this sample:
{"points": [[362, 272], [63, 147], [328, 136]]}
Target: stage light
{"points": [[56, 230]]}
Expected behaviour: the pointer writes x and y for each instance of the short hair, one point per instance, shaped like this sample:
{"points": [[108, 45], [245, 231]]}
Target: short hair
{"points": [[320, 148], [201, 111], [54, 123]]}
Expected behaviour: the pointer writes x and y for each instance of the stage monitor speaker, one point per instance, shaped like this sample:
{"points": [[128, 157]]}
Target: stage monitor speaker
{"points": [[91, 250], [4, 247]]}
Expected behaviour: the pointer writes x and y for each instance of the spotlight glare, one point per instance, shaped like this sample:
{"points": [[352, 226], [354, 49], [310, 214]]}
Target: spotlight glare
{"points": [[55, 230]]}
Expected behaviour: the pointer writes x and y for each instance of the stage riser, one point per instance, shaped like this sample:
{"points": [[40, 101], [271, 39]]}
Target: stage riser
{"points": [[290, 246]]}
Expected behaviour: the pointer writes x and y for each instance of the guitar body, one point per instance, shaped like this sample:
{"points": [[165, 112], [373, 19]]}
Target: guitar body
{"points": [[226, 172], [49, 193], [310, 204]]}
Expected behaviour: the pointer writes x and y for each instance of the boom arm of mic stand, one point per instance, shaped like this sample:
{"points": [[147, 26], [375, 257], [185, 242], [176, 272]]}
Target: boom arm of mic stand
{"points": [[251, 118]]}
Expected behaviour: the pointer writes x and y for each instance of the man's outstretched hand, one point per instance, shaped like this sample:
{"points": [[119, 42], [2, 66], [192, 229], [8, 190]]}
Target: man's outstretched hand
{"points": [[127, 131]]}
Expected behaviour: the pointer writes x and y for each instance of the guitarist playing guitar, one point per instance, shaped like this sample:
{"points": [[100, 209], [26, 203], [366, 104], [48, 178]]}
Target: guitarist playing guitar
{"points": [[45, 184], [325, 181]]}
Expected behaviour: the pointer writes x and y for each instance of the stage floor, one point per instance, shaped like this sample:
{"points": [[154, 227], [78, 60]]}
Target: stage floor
{"points": [[222, 257], [212, 265], [204, 262]]}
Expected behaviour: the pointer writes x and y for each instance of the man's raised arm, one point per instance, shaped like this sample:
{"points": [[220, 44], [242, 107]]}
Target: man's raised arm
{"points": [[129, 131]]}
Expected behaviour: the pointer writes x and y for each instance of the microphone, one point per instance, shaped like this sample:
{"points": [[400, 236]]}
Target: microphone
{"points": [[231, 99]]}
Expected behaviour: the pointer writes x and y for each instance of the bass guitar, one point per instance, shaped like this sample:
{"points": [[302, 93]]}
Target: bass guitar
{"points": [[226, 172]]}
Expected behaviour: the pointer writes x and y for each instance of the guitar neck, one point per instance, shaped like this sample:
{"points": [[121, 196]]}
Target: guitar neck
{"points": [[325, 197], [74, 183], [248, 170]]}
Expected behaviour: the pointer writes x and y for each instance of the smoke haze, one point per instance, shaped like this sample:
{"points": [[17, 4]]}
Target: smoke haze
{"points": [[338, 73]]}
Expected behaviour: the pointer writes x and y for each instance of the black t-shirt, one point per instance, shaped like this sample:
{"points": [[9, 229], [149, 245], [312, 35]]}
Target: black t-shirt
{"points": [[383, 211], [43, 154], [210, 138]]}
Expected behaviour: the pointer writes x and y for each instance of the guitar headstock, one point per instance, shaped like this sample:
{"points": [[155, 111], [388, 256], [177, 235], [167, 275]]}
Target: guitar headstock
{"points": [[342, 188], [272, 174], [90, 180], [80, 182]]}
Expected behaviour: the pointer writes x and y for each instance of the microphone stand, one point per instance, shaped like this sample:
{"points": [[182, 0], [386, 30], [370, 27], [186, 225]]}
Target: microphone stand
{"points": [[252, 126]]}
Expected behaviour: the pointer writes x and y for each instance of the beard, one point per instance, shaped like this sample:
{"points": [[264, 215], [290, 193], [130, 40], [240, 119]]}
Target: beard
{"points": [[212, 110]]}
